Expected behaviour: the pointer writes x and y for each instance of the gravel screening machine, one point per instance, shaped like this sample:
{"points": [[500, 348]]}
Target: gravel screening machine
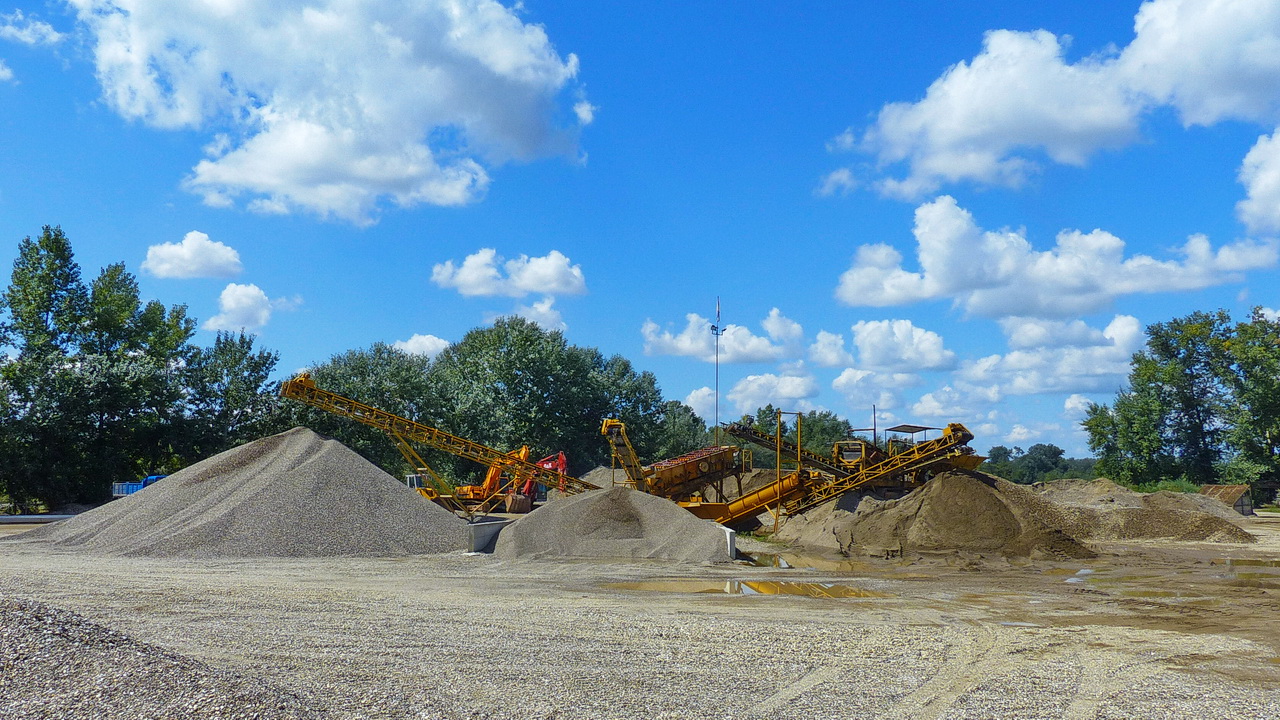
{"points": [[680, 478], [856, 464], [509, 482]]}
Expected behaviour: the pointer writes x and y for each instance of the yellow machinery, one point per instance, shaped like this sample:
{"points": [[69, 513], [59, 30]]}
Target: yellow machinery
{"points": [[802, 489], [679, 478], [471, 499], [787, 449]]}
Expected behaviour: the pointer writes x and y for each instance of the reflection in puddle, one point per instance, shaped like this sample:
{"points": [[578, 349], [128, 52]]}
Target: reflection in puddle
{"points": [[1245, 562], [751, 587], [805, 560]]}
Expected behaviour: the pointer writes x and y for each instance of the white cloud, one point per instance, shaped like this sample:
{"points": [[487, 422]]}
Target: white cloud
{"points": [[18, 28], [246, 307], [1092, 368], [737, 343], [863, 388], [998, 273], [196, 256], [1020, 433], [900, 345], [1211, 61], [5, 73], [585, 111], [953, 403], [781, 328], [789, 392], [1075, 407], [1270, 314], [335, 106], [479, 274], [844, 142], [542, 313], [703, 402], [837, 182], [1260, 175], [1024, 333], [828, 350], [428, 345]]}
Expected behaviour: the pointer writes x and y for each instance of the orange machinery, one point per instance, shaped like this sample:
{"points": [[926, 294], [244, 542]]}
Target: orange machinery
{"points": [[522, 476]]}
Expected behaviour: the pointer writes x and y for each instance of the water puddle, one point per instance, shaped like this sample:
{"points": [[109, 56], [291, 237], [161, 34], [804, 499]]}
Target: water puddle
{"points": [[751, 587], [1246, 562], [805, 560]]}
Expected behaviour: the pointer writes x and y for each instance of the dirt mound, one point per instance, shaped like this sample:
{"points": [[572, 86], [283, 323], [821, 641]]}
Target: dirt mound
{"points": [[966, 511], [614, 523], [975, 512], [605, 477], [1099, 492], [1190, 502], [296, 494]]}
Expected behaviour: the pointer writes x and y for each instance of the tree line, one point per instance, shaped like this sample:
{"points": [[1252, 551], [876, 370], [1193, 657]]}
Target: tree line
{"points": [[97, 386], [1202, 406]]}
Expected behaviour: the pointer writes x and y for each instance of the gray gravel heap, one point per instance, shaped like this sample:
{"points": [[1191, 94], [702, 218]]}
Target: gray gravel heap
{"points": [[296, 494], [56, 664], [614, 523]]}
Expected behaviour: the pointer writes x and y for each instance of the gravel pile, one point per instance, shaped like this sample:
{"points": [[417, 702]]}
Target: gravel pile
{"points": [[56, 664], [1105, 494], [975, 512], [614, 523], [296, 494]]}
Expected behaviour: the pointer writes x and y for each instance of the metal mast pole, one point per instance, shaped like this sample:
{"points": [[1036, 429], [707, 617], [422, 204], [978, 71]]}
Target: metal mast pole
{"points": [[717, 331]]}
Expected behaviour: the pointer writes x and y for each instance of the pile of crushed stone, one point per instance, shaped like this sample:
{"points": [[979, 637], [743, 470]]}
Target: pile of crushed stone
{"points": [[295, 494], [57, 664], [974, 512], [1103, 493], [613, 523]]}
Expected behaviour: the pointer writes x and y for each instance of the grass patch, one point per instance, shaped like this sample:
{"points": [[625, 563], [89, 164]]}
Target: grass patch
{"points": [[1183, 486]]}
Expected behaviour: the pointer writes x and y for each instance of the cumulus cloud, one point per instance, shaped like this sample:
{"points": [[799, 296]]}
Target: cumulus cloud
{"points": [[336, 106], [543, 313], [703, 402], [479, 274], [900, 345], [1076, 406], [828, 350], [1089, 368], [427, 345], [1024, 332], [1210, 61], [781, 328], [6, 74], [788, 391], [196, 256], [953, 403], [19, 28], [737, 343], [246, 307], [999, 273], [862, 388], [837, 182], [1260, 175]]}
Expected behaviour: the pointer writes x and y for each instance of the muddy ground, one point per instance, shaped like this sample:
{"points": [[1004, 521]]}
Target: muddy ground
{"points": [[1148, 629]]}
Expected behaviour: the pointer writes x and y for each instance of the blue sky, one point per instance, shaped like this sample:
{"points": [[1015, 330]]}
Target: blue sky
{"points": [[954, 211]]}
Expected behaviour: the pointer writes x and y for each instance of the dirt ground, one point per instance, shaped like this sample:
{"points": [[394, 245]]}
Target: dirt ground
{"points": [[1146, 630]]}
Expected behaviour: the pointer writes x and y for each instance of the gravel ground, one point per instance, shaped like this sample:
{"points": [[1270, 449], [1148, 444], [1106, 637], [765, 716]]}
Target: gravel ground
{"points": [[1142, 631], [54, 663]]}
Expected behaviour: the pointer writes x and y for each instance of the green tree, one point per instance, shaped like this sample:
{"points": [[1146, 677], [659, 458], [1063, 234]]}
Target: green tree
{"points": [[231, 399], [1249, 366], [46, 301]]}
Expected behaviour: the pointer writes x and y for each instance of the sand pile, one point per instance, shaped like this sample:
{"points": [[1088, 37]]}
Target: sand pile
{"points": [[1105, 494], [296, 494], [613, 523], [975, 512]]}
